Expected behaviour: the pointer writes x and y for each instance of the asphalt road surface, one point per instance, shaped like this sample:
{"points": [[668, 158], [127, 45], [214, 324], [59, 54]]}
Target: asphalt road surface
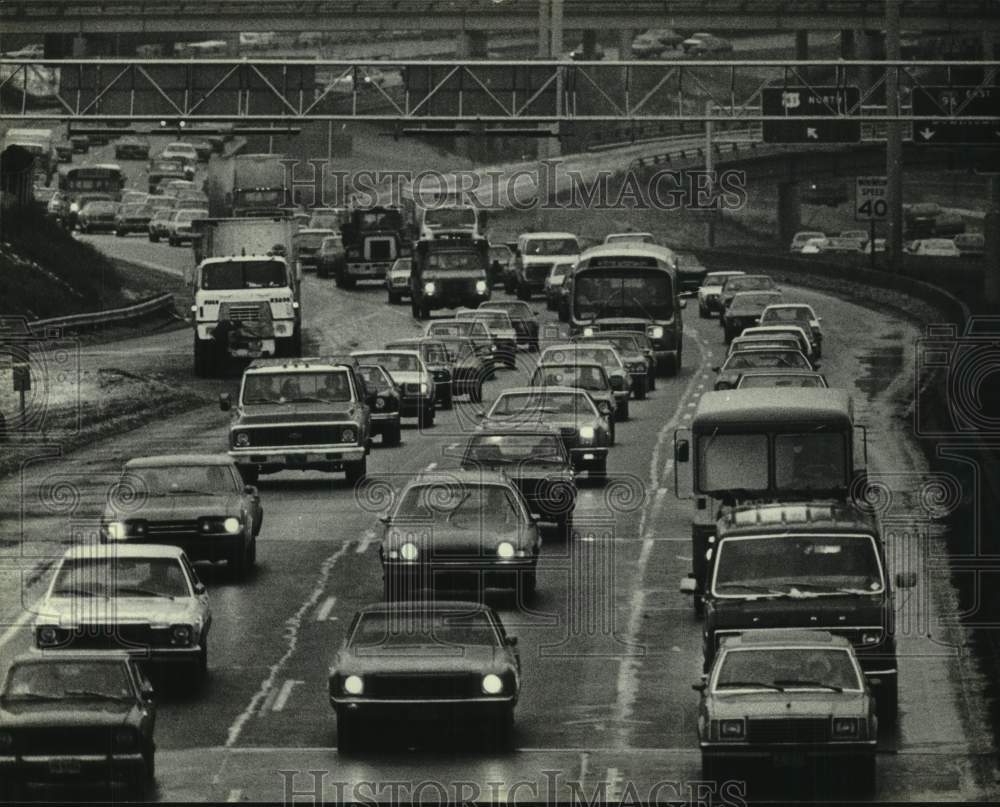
{"points": [[609, 646]]}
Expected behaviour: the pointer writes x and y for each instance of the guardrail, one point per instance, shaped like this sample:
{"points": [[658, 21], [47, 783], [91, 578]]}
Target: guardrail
{"points": [[102, 319]]}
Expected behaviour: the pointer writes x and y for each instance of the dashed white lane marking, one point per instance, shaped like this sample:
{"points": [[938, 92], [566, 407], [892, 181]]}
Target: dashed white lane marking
{"points": [[292, 626], [323, 612], [365, 542], [613, 778], [284, 694], [431, 466], [235, 794]]}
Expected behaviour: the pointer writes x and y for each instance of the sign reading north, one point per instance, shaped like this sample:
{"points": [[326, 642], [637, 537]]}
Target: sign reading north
{"points": [[803, 109]]}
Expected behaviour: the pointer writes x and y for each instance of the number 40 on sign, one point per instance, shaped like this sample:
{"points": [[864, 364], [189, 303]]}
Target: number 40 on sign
{"points": [[870, 202]]}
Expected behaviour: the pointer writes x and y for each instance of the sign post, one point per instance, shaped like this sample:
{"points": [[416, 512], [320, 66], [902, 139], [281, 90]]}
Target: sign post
{"points": [[871, 204]]}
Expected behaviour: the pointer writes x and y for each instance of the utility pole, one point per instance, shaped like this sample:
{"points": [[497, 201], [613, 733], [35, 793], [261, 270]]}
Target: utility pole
{"points": [[894, 141], [709, 167]]}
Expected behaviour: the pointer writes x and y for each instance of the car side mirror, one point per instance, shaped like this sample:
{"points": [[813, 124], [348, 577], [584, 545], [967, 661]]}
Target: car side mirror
{"points": [[906, 579], [682, 452], [146, 690], [225, 402], [701, 686], [717, 368], [251, 490], [199, 588], [816, 365], [512, 641], [383, 519], [479, 414], [688, 585]]}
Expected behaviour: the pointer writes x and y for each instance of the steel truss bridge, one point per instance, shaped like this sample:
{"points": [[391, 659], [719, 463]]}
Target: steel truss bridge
{"points": [[440, 16], [268, 91]]}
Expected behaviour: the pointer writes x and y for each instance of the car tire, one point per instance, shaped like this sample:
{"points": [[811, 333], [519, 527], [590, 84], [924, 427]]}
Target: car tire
{"points": [[200, 672], [703, 312], [252, 554], [887, 702], [447, 402], [600, 472], [395, 298], [623, 411], [149, 757], [564, 526], [563, 314], [416, 310], [865, 776], [611, 431], [348, 733], [391, 435], [651, 379], [322, 271], [640, 390], [698, 602], [549, 305], [426, 417], [250, 474], [172, 241], [503, 729], [238, 563], [356, 471], [202, 358], [709, 769], [523, 293], [528, 585], [119, 234], [154, 238], [508, 286]]}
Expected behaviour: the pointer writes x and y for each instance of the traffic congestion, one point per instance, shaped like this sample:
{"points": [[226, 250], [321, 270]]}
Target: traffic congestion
{"points": [[473, 504]]}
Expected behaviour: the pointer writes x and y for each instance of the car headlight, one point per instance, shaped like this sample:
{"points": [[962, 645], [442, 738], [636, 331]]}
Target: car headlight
{"points": [[492, 684], [47, 636], [181, 634], [505, 550], [74, 208], [409, 551], [845, 727], [380, 403], [348, 436], [241, 440], [655, 331], [125, 738], [869, 637], [117, 530], [731, 729], [231, 525], [588, 331], [354, 685], [429, 288], [480, 287], [424, 388], [6, 740], [587, 433]]}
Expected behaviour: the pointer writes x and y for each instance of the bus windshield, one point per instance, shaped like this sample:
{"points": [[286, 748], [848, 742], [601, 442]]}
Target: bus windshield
{"points": [[103, 180], [644, 294]]}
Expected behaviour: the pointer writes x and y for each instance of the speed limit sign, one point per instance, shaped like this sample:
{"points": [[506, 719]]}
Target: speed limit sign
{"points": [[870, 199]]}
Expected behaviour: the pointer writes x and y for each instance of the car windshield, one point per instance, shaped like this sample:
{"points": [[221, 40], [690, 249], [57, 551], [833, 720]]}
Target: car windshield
{"points": [[324, 220], [552, 246], [59, 680], [121, 577], [134, 209], [491, 508], [434, 354], [244, 274], [748, 301], [771, 380], [395, 362], [380, 220], [515, 449], [625, 344], [513, 310], [796, 313], [260, 197], [313, 240], [99, 207], [776, 342], [494, 321], [458, 349], [450, 217], [630, 238], [191, 215], [454, 328], [748, 283], [835, 564], [375, 378], [426, 627], [402, 265], [559, 270], [539, 404], [571, 375], [791, 668], [282, 388], [811, 460], [164, 480], [454, 261], [605, 356], [746, 359], [499, 254]]}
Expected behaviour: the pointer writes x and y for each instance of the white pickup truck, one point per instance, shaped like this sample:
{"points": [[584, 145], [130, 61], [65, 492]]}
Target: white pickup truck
{"points": [[246, 279]]}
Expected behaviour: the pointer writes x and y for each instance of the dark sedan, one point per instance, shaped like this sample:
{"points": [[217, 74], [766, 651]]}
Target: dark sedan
{"points": [[764, 358], [744, 309], [591, 378], [737, 283], [641, 364], [468, 368], [133, 218], [97, 216], [162, 171], [409, 662], [535, 458], [131, 148], [586, 431], [471, 528], [383, 401], [76, 717], [196, 502]]}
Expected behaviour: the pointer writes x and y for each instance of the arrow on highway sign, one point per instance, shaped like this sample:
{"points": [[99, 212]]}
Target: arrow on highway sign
{"points": [[927, 133], [811, 133]]}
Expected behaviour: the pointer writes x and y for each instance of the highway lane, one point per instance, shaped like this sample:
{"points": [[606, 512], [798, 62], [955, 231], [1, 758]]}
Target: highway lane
{"points": [[591, 711]]}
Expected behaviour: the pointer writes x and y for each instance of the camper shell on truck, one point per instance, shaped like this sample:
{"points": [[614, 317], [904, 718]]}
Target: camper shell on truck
{"points": [[449, 271], [246, 275], [764, 445], [248, 185]]}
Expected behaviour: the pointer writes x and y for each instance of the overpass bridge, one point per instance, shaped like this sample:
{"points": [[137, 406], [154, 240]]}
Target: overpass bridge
{"points": [[217, 17]]}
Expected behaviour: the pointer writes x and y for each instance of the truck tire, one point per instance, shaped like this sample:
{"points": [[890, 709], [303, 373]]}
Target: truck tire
{"points": [[202, 358], [416, 309], [391, 435], [395, 298], [354, 472], [640, 389], [321, 270], [447, 399], [295, 346], [523, 293]]}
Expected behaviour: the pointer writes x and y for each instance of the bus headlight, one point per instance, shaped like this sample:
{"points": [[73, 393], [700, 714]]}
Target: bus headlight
{"points": [[480, 287], [429, 288]]}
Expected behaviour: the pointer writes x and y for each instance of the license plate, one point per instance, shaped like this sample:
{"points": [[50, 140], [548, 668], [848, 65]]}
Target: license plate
{"points": [[64, 766], [250, 347], [789, 759]]}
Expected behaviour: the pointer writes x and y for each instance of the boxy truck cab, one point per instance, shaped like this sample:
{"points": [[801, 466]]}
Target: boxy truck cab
{"points": [[763, 445], [246, 273], [817, 565]]}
